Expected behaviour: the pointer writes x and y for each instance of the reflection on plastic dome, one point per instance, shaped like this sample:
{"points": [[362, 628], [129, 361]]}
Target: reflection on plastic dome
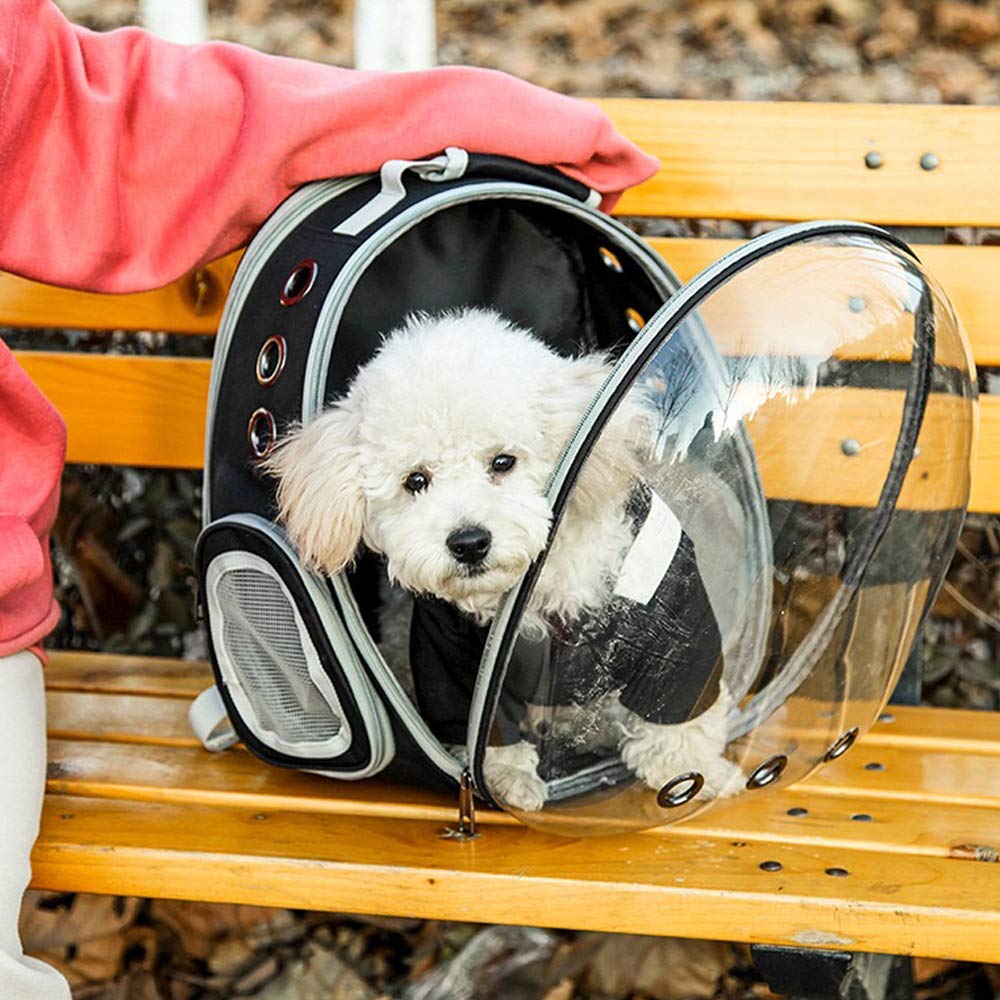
{"points": [[769, 502]]}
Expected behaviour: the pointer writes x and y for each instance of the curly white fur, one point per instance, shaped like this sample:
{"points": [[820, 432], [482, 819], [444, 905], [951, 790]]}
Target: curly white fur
{"points": [[444, 396]]}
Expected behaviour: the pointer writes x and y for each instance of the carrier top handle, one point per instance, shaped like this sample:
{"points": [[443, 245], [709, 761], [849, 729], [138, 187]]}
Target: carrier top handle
{"points": [[453, 165], [448, 167]]}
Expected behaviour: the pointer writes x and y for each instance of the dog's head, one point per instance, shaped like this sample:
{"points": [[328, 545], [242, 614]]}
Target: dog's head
{"points": [[438, 457]]}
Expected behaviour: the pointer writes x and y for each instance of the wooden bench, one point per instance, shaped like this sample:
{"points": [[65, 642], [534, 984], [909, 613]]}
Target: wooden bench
{"points": [[135, 806]]}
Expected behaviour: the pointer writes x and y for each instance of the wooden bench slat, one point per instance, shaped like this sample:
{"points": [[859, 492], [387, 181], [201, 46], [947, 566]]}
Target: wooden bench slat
{"points": [[970, 275], [668, 885], [126, 410], [145, 700], [922, 777], [915, 727], [954, 831], [119, 718], [800, 455], [151, 411], [182, 773], [236, 780], [156, 677], [115, 673], [797, 160], [192, 304]]}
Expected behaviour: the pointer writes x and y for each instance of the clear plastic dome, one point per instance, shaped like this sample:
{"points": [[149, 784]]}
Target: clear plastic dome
{"points": [[760, 507]]}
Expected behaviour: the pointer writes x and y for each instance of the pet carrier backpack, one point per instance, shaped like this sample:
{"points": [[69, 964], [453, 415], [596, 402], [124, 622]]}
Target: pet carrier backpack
{"points": [[807, 408]]}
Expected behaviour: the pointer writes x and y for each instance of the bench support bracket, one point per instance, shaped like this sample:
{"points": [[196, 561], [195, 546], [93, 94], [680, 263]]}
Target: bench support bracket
{"points": [[801, 973]]}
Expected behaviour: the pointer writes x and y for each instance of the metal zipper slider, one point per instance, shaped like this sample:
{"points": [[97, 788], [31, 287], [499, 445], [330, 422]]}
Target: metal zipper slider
{"points": [[466, 829]]}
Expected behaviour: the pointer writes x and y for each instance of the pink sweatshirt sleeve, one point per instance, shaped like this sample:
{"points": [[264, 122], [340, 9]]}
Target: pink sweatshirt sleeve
{"points": [[126, 160], [34, 441]]}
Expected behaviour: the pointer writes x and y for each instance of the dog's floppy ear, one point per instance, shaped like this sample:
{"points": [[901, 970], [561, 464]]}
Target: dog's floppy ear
{"points": [[321, 499], [611, 466]]}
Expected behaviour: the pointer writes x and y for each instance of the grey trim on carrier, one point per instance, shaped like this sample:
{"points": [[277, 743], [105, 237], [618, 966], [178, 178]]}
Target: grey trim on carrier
{"points": [[373, 714]]}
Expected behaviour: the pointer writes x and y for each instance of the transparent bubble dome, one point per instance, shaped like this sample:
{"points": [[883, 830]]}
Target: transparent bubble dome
{"points": [[767, 492]]}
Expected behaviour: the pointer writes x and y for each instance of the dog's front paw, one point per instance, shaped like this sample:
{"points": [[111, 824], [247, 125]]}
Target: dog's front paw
{"points": [[512, 777], [722, 777], [659, 753]]}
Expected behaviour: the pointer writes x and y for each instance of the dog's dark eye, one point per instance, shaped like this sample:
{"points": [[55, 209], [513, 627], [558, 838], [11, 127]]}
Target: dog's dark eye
{"points": [[503, 463], [416, 481]]}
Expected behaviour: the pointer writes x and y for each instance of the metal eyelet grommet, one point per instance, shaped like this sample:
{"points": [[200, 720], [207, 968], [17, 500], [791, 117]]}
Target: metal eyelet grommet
{"points": [[271, 360], [261, 432], [681, 789], [843, 744], [299, 283], [610, 260], [634, 320], [767, 773]]}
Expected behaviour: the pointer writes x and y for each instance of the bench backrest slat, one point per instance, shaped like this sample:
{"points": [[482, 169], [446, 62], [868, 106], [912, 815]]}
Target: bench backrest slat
{"points": [[795, 161], [970, 276], [191, 305], [118, 413]]}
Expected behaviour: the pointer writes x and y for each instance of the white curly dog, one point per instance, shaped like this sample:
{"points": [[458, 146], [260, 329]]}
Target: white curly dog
{"points": [[438, 458]]}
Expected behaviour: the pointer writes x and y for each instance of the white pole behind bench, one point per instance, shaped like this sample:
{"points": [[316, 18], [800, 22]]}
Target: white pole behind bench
{"points": [[394, 34], [183, 21]]}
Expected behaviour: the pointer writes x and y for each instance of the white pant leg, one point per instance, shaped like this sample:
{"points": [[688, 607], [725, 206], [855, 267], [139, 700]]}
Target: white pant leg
{"points": [[22, 784]]}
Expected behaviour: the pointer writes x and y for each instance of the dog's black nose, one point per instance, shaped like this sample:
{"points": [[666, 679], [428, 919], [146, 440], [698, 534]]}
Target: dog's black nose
{"points": [[469, 545]]}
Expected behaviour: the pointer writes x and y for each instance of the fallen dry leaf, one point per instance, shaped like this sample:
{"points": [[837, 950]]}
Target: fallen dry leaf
{"points": [[659, 968]]}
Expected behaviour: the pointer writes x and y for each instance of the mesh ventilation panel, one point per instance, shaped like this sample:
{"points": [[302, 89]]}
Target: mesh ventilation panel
{"points": [[267, 656]]}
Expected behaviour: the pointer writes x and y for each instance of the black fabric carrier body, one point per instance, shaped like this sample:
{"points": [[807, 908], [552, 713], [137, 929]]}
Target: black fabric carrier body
{"points": [[461, 231]]}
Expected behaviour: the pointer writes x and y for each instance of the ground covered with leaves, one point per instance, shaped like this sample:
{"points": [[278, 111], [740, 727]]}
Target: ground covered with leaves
{"points": [[124, 539], [128, 949]]}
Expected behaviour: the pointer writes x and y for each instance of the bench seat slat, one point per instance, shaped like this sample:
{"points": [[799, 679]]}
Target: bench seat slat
{"points": [[236, 780], [802, 160], [157, 677], [119, 718], [679, 885], [184, 772], [115, 673]]}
